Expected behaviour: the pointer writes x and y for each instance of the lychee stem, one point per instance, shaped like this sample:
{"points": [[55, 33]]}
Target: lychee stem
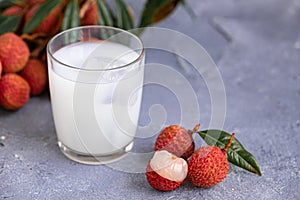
{"points": [[195, 129], [32, 37], [229, 143]]}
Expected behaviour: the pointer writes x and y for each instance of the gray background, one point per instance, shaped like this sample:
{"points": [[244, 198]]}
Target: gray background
{"points": [[254, 44]]}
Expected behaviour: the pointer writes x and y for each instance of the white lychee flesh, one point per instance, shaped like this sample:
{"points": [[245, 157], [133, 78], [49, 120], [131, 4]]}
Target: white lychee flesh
{"points": [[169, 166]]}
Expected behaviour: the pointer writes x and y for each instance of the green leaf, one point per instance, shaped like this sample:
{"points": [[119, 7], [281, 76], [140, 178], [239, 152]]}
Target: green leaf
{"points": [[236, 154], [71, 16], [124, 19], [41, 13], [188, 9], [157, 10], [9, 23], [105, 16], [8, 3]]}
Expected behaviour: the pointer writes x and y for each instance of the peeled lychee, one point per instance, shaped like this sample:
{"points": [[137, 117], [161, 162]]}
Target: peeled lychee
{"points": [[166, 171], [208, 166], [176, 140], [14, 91], [51, 24], [14, 52], [90, 16], [35, 73]]}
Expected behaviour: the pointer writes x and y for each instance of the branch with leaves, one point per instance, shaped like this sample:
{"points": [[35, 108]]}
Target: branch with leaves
{"points": [[38, 20]]}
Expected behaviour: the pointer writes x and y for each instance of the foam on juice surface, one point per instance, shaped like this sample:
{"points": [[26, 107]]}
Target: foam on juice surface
{"points": [[96, 109]]}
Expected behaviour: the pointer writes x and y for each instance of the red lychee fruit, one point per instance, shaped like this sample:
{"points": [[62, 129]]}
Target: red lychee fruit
{"points": [[13, 10], [90, 16], [51, 24], [208, 165], [166, 171], [14, 52], [176, 140], [14, 91], [35, 73], [0, 68]]}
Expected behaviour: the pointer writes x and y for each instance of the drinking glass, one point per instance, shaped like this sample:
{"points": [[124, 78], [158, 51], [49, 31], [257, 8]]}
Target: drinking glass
{"points": [[95, 77]]}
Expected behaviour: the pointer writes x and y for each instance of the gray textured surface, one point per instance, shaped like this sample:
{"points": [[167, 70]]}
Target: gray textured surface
{"points": [[253, 43]]}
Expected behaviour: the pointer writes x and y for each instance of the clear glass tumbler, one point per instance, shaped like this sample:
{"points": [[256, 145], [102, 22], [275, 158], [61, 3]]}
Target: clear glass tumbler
{"points": [[95, 76]]}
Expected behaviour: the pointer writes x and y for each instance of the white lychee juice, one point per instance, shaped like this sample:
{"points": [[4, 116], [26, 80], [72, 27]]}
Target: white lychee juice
{"points": [[96, 92]]}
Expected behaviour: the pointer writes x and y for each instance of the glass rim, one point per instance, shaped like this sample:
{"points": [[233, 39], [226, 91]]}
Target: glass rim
{"points": [[140, 55]]}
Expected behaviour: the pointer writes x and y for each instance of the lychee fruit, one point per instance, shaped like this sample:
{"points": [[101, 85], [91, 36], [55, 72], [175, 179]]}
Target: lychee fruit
{"points": [[35, 73], [166, 171], [14, 52], [208, 165], [0, 68], [90, 16], [50, 25], [176, 140], [13, 10], [14, 91]]}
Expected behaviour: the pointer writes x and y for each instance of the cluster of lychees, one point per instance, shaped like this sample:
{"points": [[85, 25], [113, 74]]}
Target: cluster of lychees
{"points": [[167, 170], [36, 21], [52, 23], [20, 76], [23, 71]]}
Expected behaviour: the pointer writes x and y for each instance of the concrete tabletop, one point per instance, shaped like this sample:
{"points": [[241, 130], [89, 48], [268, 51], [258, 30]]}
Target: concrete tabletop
{"points": [[256, 46]]}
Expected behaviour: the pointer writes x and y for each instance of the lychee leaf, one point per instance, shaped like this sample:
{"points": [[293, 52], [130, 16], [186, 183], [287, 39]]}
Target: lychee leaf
{"points": [[236, 154], [105, 16], [9, 23], [124, 19], [155, 11], [188, 9], [8, 3], [71, 16], [41, 13]]}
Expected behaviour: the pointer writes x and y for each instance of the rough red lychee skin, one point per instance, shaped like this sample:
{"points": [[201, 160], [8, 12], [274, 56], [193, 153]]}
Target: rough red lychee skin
{"points": [[13, 10], [35, 73], [0, 68], [175, 140], [160, 183], [91, 15], [207, 166], [14, 52], [14, 91], [51, 24]]}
